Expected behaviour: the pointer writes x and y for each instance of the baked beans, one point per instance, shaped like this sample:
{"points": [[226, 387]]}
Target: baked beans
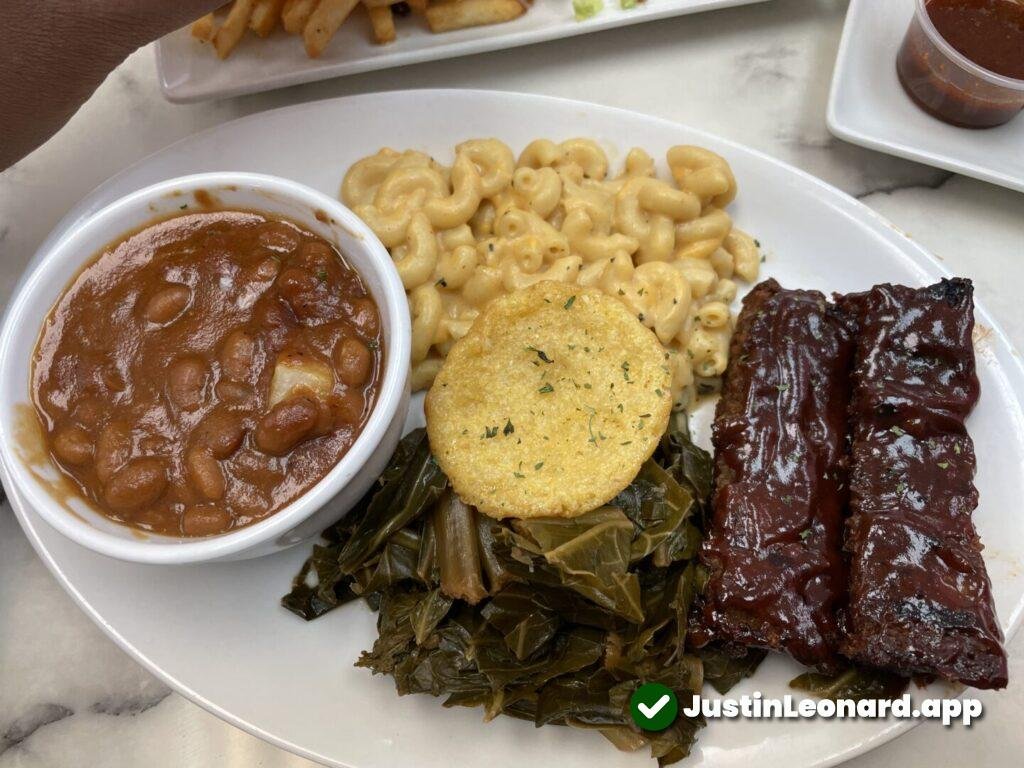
{"points": [[202, 373]]}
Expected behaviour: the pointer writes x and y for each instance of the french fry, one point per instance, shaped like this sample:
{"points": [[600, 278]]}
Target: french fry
{"points": [[319, 20], [265, 15], [296, 13], [204, 28], [234, 26], [324, 22], [383, 23], [449, 15]]}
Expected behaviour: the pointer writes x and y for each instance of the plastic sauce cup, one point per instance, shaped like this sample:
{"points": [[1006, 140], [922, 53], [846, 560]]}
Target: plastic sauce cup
{"points": [[948, 85]]}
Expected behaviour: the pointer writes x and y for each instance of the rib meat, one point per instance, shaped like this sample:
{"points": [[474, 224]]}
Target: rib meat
{"points": [[920, 599], [774, 543]]}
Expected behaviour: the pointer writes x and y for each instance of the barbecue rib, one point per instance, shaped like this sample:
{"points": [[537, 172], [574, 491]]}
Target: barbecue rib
{"points": [[774, 544], [920, 600]]}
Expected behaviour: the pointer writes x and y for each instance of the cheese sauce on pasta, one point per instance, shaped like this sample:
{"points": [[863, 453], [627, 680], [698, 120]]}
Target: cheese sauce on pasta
{"points": [[492, 223]]}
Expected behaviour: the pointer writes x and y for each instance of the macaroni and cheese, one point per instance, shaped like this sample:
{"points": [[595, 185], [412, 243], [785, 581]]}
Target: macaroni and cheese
{"points": [[492, 223]]}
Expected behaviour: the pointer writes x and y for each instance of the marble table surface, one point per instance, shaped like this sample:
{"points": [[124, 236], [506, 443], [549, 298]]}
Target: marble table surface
{"points": [[759, 75]]}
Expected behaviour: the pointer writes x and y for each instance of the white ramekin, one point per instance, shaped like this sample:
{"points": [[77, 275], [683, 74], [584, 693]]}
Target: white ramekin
{"points": [[29, 468]]}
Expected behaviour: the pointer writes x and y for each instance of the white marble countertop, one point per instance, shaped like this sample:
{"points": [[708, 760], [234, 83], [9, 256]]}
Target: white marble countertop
{"points": [[759, 75]]}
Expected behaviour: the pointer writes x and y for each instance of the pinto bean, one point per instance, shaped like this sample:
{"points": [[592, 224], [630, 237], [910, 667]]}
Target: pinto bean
{"points": [[159, 519], [113, 448], [349, 407], [286, 425], [167, 304], [113, 380], [137, 484], [205, 473], [236, 355], [278, 236], [232, 391], [73, 446], [296, 280], [88, 411], [205, 521], [267, 269], [186, 382], [365, 317], [220, 433], [154, 444], [353, 362], [316, 256]]}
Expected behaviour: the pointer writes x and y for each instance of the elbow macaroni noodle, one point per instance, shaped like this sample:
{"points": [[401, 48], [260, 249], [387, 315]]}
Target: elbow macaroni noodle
{"points": [[491, 224]]}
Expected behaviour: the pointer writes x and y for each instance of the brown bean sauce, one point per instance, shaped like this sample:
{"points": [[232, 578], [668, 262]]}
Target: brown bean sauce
{"points": [[202, 373]]}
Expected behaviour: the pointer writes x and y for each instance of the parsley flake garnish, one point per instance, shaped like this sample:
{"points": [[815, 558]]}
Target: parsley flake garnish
{"points": [[590, 426], [568, 304], [546, 389], [509, 429], [541, 354]]}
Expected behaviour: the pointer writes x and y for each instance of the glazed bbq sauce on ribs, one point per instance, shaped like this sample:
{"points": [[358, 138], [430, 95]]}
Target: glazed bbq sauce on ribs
{"points": [[774, 545], [920, 599]]}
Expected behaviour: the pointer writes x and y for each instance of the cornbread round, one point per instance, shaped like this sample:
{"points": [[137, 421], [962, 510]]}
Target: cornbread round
{"points": [[550, 404]]}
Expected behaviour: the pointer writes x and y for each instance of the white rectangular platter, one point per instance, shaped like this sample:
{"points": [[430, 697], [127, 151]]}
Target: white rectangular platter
{"points": [[190, 71], [869, 107]]}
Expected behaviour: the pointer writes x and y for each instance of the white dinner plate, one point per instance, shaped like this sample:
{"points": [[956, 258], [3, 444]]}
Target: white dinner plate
{"points": [[868, 106], [216, 633], [190, 71]]}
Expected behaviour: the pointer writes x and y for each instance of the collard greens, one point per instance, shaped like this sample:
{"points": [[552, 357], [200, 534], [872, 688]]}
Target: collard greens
{"points": [[552, 620]]}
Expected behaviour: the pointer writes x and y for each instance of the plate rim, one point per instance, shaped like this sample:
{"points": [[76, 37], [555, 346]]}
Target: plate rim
{"points": [[844, 203], [849, 133]]}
